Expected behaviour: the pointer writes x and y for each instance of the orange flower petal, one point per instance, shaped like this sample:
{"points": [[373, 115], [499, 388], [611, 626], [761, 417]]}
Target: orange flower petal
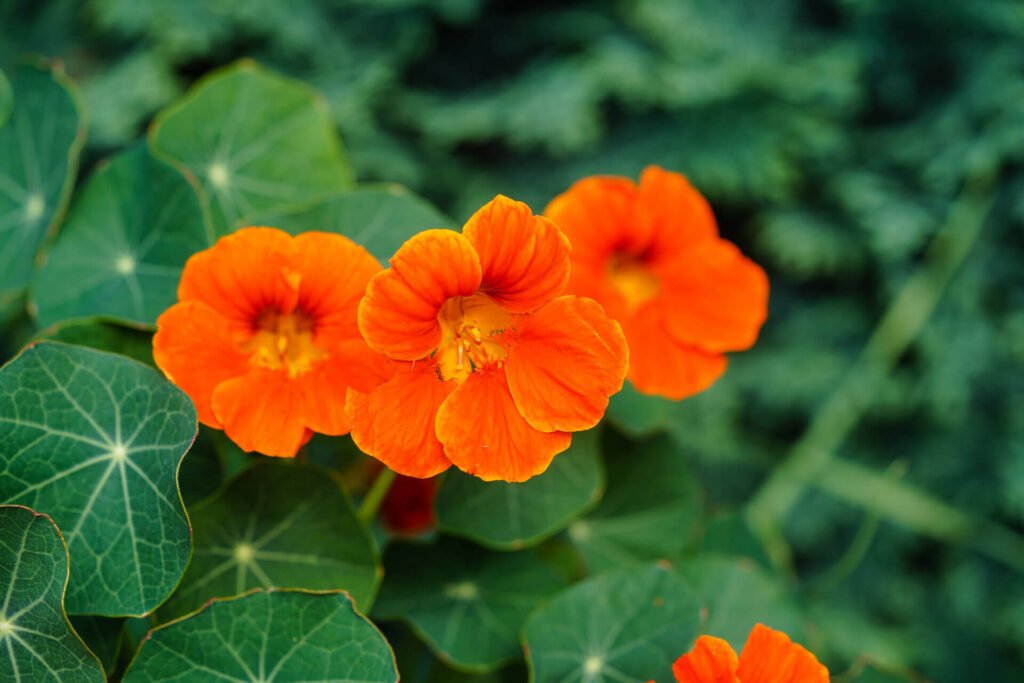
{"points": [[484, 434], [771, 657], [335, 271], [395, 422], [243, 274], [660, 365], [194, 350], [398, 315], [711, 660], [565, 361], [263, 412], [525, 258], [599, 215], [680, 216], [715, 298]]}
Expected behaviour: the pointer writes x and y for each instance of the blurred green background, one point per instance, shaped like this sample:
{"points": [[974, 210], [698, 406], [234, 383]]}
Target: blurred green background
{"points": [[866, 152]]}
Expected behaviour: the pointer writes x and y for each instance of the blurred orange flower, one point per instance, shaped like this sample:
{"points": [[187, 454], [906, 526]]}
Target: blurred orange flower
{"points": [[651, 255], [264, 338], [768, 657], [495, 367]]}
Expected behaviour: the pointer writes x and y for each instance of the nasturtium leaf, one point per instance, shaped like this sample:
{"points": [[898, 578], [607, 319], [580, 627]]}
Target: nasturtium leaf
{"points": [[873, 674], [277, 525], [379, 217], [37, 642], [639, 414], [6, 98], [738, 595], [257, 141], [103, 336], [102, 635], [465, 602], [629, 624], [95, 440], [729, 534], [267, 636], [509, 516], [39, 146], [419, 664], [121, 250], [202, 472], [651, 503]]}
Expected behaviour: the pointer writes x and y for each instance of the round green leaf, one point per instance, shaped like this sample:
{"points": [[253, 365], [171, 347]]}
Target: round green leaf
{"points": [[95, 441], [6, 99], [37, 642], [738, 595], [103, 336], [268, 636], [638, 414], [509, 516], [626, 625], [651, 503], [280, 525], [257, 141], [39, 148], [465, 602], [125, 241], [380, 217]]}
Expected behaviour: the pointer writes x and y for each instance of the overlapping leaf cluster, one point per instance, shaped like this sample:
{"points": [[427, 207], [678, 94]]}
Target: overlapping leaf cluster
{"points": [[857, 478]]}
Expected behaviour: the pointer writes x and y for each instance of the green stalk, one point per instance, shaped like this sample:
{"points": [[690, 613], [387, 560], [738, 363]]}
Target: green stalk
{"points": [[899, 326], [375, 496]]}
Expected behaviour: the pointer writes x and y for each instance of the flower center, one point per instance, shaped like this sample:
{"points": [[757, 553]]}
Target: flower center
{"points": [[632, 279], [471, 329], [284, 340]]}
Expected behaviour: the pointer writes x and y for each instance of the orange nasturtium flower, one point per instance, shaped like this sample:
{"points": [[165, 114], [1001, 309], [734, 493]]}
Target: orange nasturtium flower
{"points": [[264, 338], [493, 367], [651, 255], [768, 657]]}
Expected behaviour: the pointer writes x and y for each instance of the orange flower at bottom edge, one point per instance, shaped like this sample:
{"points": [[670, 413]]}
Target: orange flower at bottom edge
{"points": [[264, 338], [494, 367], [650, 253], [769, 656]]}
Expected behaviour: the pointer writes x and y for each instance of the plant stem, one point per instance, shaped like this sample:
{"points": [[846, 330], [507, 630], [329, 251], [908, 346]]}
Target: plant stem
{"points": [[901, 324], [375, 496]]}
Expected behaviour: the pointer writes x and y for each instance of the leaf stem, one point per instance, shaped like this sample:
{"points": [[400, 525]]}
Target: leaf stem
{"points": [[375, 496]]}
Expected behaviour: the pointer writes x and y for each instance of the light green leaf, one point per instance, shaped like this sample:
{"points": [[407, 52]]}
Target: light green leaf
{"points": [[126, 239], [626, 625], [638, 414], [103, 336], [280, 525], [102, 635], [379, 217], [37, 642], [257, 141], [651, 503], [465, 602], [6, 99], [738, 595], [95, 440], [39, 148], [268, 636], [509, 516]]}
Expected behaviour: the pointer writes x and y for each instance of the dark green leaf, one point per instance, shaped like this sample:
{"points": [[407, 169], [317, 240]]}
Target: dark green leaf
{"points": [[37, 642], [95, 440], [103, 336], [6, 99], [738, 594], [509, 516], [639, 414], [257, 141], [467, 603], [651, 503], [626, 625], [39, 148], [103, 636], [126, 239], [268, 636], [280, 525], [379, 217]]}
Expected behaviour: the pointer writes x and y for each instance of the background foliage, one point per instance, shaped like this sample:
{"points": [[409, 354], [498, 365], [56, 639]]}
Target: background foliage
{"points": [[866, 459]]}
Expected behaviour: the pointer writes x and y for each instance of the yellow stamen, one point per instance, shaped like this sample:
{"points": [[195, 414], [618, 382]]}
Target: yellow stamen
{"points": [[633, 280], [471, 329], [284, 341]]}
